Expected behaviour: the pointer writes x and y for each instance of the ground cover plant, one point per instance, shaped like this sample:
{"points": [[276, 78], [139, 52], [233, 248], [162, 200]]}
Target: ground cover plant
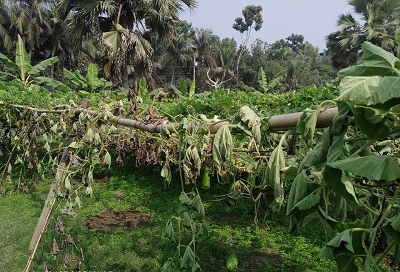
{"points": [[343, 178]]}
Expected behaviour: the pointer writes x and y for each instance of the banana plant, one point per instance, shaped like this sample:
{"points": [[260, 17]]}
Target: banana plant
{"points": [[85, 85], [22, 66], [263, 84]]}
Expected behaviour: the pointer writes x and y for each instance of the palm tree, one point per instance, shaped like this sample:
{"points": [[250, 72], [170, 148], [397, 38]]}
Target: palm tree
{"points": [[125, 29], [5, 24], [30, 20], [379, 21]]}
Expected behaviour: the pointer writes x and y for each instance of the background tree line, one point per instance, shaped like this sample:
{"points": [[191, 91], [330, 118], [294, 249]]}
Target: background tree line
{"points": [[131, 39]]}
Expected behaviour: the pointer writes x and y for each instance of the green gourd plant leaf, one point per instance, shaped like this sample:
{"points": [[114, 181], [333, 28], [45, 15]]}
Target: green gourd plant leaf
{"points": [[374, 167], [375, 61]]}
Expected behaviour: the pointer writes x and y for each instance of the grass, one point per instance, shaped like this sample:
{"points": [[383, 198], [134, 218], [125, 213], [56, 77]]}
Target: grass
{"points": [[232, 231], [19, 213]]}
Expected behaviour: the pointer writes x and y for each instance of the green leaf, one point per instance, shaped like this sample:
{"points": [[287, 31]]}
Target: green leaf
{"points": [[375, 61], [205, 181], [308, 202], [374, 126], [143, 92], [262, 80], [9, 62], [92, 77], [392, 228], [319, 154], [336, 150], [298, 191], [341, 184], [374, 167], [397, 37], [75, 80], [184, 88], [222, 146], [54, 83], [362, 90], [192, 88], [345, 248], [43, 65]]}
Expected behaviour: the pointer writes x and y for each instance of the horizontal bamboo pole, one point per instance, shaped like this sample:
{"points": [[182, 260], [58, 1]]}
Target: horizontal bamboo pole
{"points": [[280, 122]]}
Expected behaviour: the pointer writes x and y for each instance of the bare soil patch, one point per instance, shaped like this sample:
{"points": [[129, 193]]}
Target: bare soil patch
{"points": [[113, 220]]}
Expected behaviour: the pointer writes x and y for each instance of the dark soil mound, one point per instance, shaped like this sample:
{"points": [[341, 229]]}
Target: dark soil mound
{"points": [[111, 220]]}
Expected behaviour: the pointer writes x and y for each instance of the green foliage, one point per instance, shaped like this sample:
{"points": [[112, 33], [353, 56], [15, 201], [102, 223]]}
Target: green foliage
{"points": [[345, 176], [264, 85], [262, 80], [90, 83], [22, 65], [183, 90], [224, 104]]}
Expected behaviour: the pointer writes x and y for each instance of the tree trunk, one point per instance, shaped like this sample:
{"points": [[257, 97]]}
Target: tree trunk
{"points": [[125, 79]]}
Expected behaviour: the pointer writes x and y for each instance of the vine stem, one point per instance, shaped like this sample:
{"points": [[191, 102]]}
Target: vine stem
{"points": [[375, 230], [180, 162]]}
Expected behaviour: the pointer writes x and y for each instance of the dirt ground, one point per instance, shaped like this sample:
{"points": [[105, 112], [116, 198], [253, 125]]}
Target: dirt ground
{"points": [[111, 220]]}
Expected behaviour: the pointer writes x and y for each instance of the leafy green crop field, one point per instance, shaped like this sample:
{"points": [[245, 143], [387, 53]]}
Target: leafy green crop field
{"points": [[267, 247]]}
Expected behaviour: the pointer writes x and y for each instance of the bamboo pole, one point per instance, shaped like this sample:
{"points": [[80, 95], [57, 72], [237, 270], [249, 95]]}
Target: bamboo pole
{"points": [[47, 208], [280, 122]]}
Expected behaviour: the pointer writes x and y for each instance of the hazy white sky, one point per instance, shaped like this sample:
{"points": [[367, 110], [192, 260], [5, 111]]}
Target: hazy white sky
{"points": [[314, 19]]}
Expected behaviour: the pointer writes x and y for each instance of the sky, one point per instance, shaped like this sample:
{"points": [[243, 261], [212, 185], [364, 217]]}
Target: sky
{"points": [[314, 19]]}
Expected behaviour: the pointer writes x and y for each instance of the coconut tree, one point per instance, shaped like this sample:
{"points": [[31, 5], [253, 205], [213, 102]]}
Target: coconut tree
{"points": [[5, 24], [30, 20], [378, 22], [125, 29]]}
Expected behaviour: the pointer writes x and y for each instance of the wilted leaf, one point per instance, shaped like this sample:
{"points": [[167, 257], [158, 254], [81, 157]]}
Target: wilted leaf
{"points": [[341, 184], [59, 226], [184, 199], [222, 146], [188, 258], [54, 250], [247, 120], [89, 191], [107, 159], [306, 125], [166, 174], [275, 164], [198, 205], [192, 164]]}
